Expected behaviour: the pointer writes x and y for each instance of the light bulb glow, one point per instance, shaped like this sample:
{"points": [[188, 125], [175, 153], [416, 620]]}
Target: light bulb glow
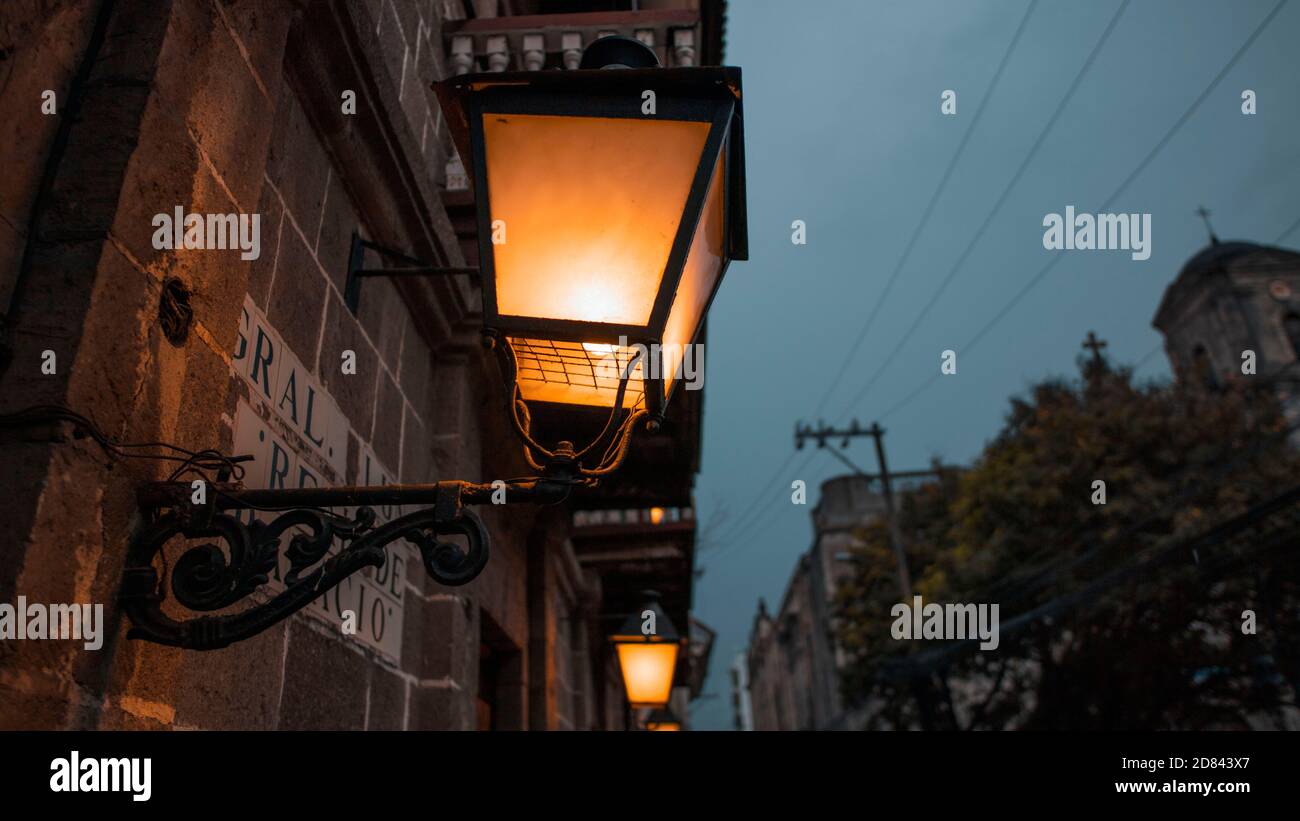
{"points": [[648, 671], [590, 208]]}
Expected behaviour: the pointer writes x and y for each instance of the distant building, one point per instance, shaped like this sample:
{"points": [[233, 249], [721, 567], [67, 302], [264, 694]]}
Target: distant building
{"points": [[1229, 298], [741, 709], [794, 663]]}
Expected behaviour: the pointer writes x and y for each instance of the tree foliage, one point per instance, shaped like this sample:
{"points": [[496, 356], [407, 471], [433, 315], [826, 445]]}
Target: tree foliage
{"points": [[1114, 642]]}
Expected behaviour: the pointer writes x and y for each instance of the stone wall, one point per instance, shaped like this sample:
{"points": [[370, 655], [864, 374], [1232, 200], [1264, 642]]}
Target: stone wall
{"points": [[235, 106]]}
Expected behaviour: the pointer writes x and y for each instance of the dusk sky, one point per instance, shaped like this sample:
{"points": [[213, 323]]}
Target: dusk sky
{"points": [[844, 131]]}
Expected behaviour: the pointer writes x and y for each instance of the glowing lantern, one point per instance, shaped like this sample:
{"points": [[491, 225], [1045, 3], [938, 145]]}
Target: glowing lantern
{"points": [[647, 647], [609, 205]]}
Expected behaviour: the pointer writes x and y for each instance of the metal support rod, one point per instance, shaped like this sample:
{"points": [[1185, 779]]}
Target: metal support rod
{"points": [[415, 267], [391, 253]]}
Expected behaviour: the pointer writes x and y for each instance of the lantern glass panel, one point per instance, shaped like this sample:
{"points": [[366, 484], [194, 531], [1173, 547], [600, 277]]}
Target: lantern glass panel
{"points": [[590, 207], [699, 276]]}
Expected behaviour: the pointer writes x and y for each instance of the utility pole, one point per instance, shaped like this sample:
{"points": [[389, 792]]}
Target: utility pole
{"points": [[895, 533], [821, 434]]}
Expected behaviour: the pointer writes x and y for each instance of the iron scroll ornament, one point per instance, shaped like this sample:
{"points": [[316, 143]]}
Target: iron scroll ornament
{"points": [[207, 578]]}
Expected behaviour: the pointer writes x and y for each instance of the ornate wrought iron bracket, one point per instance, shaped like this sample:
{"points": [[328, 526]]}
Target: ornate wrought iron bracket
{"points": [[207, 578]]}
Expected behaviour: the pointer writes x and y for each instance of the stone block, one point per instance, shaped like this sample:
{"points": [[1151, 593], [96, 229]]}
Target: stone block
{"points": [[386, 438], [235, 688], [334, 245], [387, 700], [298, 293], [408, 14], [261, 269], [383, 313], [355, 393], [297, 164], [393, 46], [440, 708], [415, 371], [324, 682], [440, 637], [262, 29], [417, 449], [228, 111]]}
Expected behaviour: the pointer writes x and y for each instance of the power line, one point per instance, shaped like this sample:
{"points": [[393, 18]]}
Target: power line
{"points": [[743, 523], [894, 408], [983, 332], [1141, 166], [727, 544], [997, 206], [746, 524], [929, 210], [1157, 349], [1287, 232]]}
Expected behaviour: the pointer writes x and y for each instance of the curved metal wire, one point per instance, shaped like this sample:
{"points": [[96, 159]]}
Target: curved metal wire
{"points": [[544, 460], [618, 403], [618, 449]]}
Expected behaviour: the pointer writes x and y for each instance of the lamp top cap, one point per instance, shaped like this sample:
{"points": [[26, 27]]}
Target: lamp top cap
{"points": [[616, 51], [633, 627]]}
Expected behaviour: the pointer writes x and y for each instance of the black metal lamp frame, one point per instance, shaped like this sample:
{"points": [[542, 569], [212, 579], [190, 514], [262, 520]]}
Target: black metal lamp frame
{"points": [[706, 95]]}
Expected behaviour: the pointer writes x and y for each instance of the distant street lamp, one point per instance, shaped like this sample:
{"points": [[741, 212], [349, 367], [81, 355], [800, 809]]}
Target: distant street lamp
{"points": [[662, 720], [647, 647]]}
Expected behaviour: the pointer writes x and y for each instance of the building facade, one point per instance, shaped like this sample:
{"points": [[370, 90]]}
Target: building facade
{"points": [[793, 661], [742, 711], [311, 124]]}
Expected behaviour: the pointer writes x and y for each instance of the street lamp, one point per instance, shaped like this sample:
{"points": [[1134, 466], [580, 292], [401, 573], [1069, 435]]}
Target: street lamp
{"points": [[663, 720], [609, 205], [647, 647]]}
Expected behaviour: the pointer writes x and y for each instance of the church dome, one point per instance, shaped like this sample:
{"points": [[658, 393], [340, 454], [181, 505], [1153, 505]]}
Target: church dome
{"points": [[1215, 257]]}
